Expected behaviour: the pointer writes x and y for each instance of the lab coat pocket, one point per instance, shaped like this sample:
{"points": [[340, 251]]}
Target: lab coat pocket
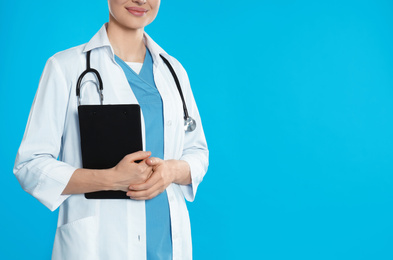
{"points": [[77, 240]]}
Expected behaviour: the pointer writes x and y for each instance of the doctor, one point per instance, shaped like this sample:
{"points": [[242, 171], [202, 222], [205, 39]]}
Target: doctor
{"points": [[154, 222]]}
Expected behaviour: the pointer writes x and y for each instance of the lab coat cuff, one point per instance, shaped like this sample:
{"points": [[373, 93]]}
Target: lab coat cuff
{"points": [[52, 184], [189, 190]]}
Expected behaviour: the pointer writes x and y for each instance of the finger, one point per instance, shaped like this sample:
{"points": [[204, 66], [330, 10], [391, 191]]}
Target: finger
{"points": [[146, 194], [154, 178], [144, 162], [140, 155], [153, 161], [147, 172], [151, 196], [143, 165], [150, 174]]}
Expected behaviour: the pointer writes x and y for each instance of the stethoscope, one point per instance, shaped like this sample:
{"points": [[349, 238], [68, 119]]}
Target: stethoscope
{"points": [[189, 122]]}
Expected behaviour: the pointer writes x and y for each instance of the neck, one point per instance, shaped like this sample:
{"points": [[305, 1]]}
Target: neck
{"points": [[127, 43]]}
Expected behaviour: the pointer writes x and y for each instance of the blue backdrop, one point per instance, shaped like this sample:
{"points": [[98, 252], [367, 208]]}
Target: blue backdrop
{"points": [[296, 99]]}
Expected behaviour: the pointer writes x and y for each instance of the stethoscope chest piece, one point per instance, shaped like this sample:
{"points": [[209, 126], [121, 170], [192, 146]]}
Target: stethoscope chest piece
{"points": [[189, 124]]}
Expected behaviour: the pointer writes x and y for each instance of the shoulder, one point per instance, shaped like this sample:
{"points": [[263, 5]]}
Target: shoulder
{"points": [[158, 51], [177, 66], [67, 63], [179, 70], [67, 58], [174, 62]]}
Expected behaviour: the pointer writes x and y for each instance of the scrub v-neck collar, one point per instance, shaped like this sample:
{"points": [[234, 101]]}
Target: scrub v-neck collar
{"points": [[143, 73]]}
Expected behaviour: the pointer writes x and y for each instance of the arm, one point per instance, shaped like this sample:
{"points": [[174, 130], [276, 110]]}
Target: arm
{"points": [[126, 172], [36, 166], [195, 150]]}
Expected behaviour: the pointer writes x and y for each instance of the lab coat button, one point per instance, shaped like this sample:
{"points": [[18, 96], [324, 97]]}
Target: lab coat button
{"points": [[169, 122]]}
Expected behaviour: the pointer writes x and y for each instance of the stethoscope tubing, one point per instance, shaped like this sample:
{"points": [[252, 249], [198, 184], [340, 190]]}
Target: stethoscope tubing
{"points": [[177, 85], [189, 122]]}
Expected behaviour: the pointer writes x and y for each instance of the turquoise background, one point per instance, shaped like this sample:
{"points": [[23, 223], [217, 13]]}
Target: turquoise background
{"points": [[296, 102]]}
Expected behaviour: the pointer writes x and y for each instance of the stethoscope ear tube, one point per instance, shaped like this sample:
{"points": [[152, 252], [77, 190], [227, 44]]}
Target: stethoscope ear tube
{"points": [[88, 70]]}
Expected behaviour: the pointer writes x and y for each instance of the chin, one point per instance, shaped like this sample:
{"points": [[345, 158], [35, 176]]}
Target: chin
{"points": [[134, 24]]}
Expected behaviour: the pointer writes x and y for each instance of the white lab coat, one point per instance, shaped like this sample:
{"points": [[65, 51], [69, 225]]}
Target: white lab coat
{"points": [[104, 229]]}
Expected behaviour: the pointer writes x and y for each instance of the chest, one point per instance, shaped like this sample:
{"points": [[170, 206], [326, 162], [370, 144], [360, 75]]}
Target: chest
{"points": [[117, 90]]}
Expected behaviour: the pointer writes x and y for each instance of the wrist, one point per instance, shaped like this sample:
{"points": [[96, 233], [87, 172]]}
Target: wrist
{"points": [[107, 179], [182, 172]]}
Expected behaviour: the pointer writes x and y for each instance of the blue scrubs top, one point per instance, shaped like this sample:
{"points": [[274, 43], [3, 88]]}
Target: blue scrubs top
{"points": [[158, 222]]}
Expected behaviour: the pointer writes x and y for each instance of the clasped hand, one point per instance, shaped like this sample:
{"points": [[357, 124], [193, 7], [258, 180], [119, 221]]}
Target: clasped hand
{"points": [[142, 177]]}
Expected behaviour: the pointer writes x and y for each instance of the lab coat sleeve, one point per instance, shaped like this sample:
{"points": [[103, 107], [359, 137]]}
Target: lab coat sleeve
{"points": [[36, 166], [195, 150]]}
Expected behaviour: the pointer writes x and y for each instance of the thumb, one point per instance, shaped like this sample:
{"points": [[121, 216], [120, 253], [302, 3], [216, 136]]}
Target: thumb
{"points": [[153, 161], [137, 156]]}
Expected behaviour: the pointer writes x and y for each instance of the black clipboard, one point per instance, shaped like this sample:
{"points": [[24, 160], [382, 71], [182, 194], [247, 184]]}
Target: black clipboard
{"points": [[107, 134]]}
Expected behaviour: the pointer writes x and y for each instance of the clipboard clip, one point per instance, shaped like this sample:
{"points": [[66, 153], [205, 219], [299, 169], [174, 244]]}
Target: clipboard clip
{"points": [[88, 70]]}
